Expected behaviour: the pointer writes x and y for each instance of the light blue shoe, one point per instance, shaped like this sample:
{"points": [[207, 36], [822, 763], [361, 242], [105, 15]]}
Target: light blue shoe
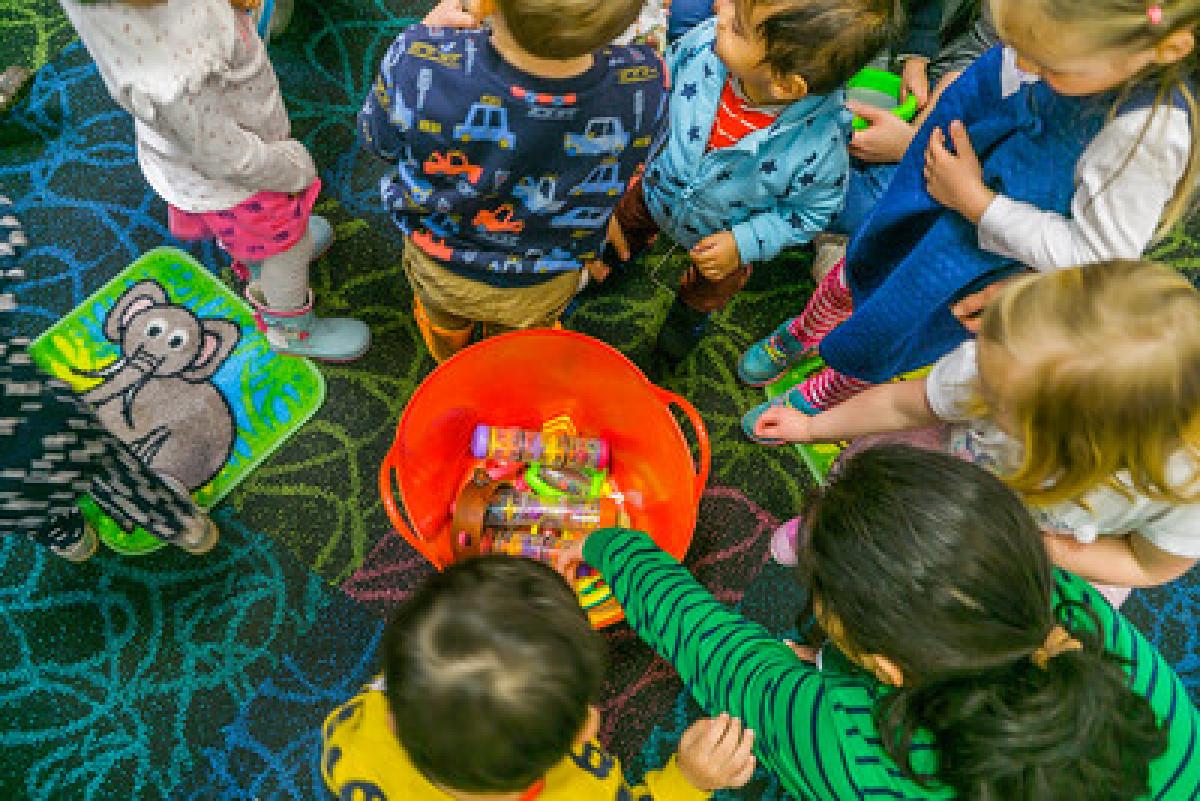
{"points": [[793, 398], [322, 237], [300, 332], [771, 357]]}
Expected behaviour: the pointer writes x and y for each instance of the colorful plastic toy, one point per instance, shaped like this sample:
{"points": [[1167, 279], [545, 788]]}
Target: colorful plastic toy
{"points": [[881, 89], [553, 450], [511, 508], [555, 482]]}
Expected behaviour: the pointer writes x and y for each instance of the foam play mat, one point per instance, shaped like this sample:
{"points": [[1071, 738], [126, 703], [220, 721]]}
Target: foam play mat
{"points": [[173, 364]]}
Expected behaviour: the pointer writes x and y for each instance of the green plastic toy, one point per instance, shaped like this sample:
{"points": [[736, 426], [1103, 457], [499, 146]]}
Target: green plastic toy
{"points": [[881, 89]]}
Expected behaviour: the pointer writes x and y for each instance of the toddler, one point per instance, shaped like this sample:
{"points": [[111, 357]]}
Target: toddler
{"points": [[511, 146], [490, 675], [214, 141], [1083, 393], [755, 158], [992, 183]]}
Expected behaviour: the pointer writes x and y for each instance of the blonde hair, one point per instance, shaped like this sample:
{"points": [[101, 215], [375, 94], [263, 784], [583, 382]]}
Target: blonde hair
{"points": [[1124, 25], [563, 29], [1108, 360]]}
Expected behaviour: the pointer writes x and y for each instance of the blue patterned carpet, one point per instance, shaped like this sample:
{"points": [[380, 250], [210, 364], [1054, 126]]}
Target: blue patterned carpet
{"points": [[184, 678]]}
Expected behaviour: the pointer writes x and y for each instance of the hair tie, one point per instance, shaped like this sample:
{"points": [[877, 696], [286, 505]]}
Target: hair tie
{"points": [[1155, 14], [1058, 641]]}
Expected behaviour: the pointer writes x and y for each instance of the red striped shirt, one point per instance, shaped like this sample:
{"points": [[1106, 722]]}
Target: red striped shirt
{"points": [[735, 119]]}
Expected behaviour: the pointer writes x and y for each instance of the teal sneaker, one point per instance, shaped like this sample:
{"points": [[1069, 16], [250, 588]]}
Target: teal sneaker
{"points": [[300, 332], [793, 398], [771, 357]]}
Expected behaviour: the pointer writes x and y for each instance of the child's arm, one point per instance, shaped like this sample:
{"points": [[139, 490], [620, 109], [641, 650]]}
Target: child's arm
{"points": [[386, 115], [1124, 181], [796, 220], [1130, 561], [896, 406], [221, 149], [728, 663]]}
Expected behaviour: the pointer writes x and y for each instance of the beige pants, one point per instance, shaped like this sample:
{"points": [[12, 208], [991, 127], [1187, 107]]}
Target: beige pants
{"points": [[448, 306]]}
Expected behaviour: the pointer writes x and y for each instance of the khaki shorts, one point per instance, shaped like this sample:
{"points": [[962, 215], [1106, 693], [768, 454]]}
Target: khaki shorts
{"points": [[454, 303]]}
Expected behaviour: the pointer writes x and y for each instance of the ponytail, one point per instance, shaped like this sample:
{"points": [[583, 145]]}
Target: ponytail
{"points": [[936, 565], [1071, 730]]}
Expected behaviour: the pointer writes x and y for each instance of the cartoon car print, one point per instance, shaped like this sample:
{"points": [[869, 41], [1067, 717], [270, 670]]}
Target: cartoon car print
{"points": [[499, 221], [453, 162], [557, 259], [487, 123], [603, 180], [441, 224], [604, 136], [537, 195], [419, 190], [435, 248], [583, 217]]}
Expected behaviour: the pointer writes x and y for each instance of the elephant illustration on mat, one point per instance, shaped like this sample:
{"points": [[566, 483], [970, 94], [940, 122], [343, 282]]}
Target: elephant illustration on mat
{"points": [[158, 396]]}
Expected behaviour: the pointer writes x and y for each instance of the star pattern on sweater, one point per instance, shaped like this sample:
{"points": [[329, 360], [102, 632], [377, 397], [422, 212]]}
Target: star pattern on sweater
{"points": [[689, 91], [694, 133], [769, 166]]}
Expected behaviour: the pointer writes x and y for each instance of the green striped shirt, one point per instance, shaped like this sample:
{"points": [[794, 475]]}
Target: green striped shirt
{"points": [[814, 728]]}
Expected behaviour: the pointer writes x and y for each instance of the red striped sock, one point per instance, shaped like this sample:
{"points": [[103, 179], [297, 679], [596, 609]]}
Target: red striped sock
{"points": [[828, 308], [828, 388]]}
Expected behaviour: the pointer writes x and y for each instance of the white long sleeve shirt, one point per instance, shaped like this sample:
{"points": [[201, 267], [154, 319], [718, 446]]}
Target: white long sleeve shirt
{"points": [[211, 126], [1123, 181]]}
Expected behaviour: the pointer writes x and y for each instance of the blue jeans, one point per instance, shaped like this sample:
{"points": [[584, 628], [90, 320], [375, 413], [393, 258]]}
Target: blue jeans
{"points": [[867, 184], [687, 14]]}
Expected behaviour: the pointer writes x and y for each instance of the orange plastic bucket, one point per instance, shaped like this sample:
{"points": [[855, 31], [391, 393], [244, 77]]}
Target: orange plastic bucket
{"points": [[523, 379]]}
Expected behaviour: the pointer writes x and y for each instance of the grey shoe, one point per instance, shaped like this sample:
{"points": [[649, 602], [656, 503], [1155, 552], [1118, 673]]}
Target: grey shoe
{"points": [[830, 249]]}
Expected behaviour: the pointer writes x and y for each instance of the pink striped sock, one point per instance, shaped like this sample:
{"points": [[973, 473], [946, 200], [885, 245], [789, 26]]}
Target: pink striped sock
{"points": [[828, 308], [828, 388]]}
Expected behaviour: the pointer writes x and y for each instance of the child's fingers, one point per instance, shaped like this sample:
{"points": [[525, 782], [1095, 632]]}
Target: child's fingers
{"points": [[616, 237], [962, 141], [743, 758]]}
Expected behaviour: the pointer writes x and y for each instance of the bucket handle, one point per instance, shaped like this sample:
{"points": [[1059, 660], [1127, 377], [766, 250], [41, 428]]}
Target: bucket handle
{"points": [[668, 399], [388, 492]]}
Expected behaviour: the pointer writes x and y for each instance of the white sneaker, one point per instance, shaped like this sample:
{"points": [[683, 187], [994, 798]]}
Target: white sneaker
{"points": [[83, 549]]}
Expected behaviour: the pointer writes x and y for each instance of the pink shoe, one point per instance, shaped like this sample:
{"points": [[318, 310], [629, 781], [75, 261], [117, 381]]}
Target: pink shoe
{"points": [[783, 543]]}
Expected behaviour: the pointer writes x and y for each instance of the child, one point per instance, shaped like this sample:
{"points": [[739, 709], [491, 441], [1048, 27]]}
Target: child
{"points": [[511, 146], [755, 158], [1112, 95], [1083, 393], [490, 676], [213, 140], [958, 664]]}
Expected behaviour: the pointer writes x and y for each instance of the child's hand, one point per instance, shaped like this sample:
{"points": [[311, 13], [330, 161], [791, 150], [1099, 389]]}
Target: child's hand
{"points": [[570, 557], [716, 753], [716, 255], [806, 652], [616, 238], [914, 80], [956, 179], [784, 424], [886, 138], [451, 14], [969, 310]]}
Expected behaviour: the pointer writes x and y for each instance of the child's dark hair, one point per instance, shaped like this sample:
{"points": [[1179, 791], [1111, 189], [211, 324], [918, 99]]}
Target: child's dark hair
{"points": [[489, 669], [823, 41], [937, 565]]}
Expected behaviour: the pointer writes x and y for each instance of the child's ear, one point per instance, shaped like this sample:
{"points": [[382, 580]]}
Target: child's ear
{"points": [[591, 727], [1175, 47], [788, 88]]}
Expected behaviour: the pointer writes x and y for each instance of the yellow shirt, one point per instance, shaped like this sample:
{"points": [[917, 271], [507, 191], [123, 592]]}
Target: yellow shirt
{"points": [[362, 760]]}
